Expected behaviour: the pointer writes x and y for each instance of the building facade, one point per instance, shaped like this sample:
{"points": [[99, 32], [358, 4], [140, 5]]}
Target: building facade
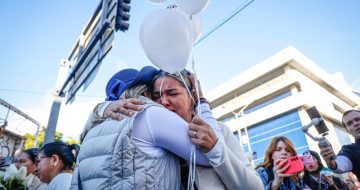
{"points": [[271, 99], [10, 143]]}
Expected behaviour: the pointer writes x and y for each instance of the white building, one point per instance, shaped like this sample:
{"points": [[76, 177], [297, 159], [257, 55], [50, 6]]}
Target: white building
{"points": [[271, 99]]}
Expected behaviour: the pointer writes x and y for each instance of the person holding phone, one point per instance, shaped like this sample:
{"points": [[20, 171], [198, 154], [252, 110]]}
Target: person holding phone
{"points": [[347, 159], [316, 179], [272, 169]]}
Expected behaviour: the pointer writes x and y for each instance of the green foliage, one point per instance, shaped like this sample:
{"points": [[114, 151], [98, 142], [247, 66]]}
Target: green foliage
{"points": [[30, 139], [70, 141]]}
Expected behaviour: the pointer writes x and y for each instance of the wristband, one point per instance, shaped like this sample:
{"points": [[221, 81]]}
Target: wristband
{"points": [[204, 100]]}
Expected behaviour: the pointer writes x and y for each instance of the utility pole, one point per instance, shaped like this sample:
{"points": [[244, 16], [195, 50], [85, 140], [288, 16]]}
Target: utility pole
{"points": [[56, 105]]}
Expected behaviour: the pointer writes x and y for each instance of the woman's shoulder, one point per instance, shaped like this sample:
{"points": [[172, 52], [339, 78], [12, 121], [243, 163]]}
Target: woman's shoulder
{"points": [[261, 169], [61, 181], [266, 174], [64, 176]]}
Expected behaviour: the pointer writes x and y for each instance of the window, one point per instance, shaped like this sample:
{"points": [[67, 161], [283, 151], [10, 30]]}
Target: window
{"points": [[268, 102], [288, 125]]}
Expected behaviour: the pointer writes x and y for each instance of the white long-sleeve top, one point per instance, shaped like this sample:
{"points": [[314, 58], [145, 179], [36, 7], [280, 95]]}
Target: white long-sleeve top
{"points": [[157, 128]]}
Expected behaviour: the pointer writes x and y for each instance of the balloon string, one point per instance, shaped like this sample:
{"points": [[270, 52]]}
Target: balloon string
{"points": [[161, 85], [192, 169], [187, 89], [192, 165], [196, 87]]}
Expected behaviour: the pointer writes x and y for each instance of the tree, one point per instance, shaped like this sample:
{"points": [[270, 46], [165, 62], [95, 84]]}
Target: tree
{"points": [[71, 140], [30, 139]]}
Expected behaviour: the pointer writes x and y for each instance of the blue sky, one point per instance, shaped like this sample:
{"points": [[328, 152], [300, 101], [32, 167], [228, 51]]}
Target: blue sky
{"points": [[36, 35]]}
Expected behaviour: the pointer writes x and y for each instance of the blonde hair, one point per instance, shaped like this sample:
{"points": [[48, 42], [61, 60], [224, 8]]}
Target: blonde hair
{"points": [[135, 91]]}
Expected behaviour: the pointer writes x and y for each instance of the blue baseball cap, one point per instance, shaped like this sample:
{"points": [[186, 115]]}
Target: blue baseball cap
{"points": [[127, 78]]}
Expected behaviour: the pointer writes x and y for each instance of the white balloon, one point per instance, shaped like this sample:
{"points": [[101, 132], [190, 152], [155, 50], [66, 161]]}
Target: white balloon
{"points": [[197, 26], [194, 19], [157, 1], [192, 7], [166, 37]]}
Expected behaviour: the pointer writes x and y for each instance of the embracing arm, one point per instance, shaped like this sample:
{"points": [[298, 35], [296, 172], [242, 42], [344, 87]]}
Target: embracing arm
{"points": [[111, 109], [207, 116], [167, 130], [206, 113]]}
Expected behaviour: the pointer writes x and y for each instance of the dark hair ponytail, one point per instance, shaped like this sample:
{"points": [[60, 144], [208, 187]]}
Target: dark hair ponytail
{"points": [[32, 154], [64, 151], [75, 148]]}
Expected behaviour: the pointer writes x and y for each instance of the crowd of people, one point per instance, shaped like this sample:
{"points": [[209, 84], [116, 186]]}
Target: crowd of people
{"points": [[156, 131]]}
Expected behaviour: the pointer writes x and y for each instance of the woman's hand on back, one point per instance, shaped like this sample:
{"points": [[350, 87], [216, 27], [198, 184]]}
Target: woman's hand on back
{"points": [[202, 135], [126, 107]]}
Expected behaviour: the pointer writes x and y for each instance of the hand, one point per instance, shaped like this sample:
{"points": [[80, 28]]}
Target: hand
{"points": [[192, 80], [279, 169], [201, 134], [328, 179], [327, 153], [123, 106]]}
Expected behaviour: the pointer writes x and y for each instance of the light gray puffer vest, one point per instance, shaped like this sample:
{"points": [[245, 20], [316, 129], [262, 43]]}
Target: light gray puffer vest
{"points": [[109, 159]]}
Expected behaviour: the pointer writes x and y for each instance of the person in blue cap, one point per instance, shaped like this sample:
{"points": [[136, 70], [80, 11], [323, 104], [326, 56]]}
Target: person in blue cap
{"points": [[230, 168], [138, 152]]}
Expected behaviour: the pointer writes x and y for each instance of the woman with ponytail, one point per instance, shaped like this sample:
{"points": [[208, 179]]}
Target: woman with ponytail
{"points": [[55, 164]]}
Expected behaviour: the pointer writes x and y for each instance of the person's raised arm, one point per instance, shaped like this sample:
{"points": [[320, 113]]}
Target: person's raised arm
{"points": [[340, 165], [170, 132], [123, 107], [206, 113]]}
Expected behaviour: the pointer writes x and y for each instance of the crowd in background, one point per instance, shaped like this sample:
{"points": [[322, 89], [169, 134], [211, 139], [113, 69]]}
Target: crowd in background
{"points": [[156, 131]]}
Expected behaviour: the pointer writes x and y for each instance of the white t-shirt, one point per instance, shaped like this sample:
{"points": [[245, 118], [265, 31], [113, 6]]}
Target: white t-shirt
{"points": [[61, 181]]}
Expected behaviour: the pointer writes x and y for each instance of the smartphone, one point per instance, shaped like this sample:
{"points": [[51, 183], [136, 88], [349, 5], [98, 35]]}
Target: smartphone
{"points": [[326, 172], [307, 159], [296, 165], [321, 128]]}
